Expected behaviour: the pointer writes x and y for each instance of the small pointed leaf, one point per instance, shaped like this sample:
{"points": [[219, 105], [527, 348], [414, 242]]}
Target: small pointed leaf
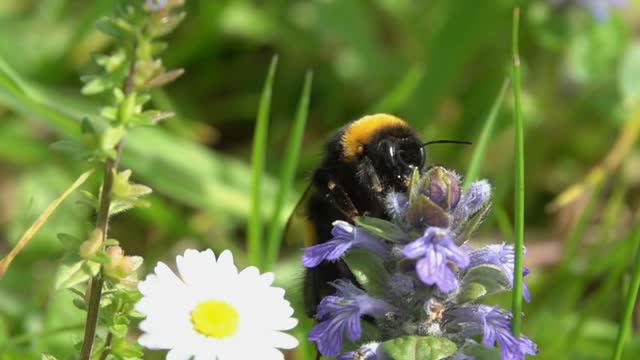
{"points": [[419, 348], [368, 269], [381, 228]]}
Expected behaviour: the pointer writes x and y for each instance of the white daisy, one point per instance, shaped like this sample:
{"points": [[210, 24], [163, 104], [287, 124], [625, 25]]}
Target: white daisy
{"points": [[213, 312]]}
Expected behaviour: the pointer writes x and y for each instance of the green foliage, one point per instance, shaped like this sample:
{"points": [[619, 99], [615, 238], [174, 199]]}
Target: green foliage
{"points": [[419, 348], [368, 269], [482, 280]]}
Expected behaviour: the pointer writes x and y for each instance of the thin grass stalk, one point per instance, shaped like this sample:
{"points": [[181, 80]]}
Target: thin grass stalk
{"points": [[519, 181], [632, 294], [258, 158], [485, 136], [276, 227]]}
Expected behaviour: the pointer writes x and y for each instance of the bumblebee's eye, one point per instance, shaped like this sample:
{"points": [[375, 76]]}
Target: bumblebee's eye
{"points": [[388, 149], [411, 156]]}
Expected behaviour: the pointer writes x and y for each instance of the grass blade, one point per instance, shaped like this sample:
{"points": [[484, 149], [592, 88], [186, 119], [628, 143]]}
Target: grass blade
{"points": [[276, 227], [632, 294], [258, 156], [33, 229], [485, 136], [519, 182]]}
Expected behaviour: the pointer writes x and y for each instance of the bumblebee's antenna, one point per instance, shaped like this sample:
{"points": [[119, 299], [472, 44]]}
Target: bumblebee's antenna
{"points": [[463, 142]]}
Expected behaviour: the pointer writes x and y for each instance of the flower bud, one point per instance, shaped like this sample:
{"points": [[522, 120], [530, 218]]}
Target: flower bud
{"points": [[114, 268], [92, 245], [442, 187], [121, 267]]}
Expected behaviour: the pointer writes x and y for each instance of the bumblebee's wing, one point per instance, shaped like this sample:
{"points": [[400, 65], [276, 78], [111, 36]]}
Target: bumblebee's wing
{"points": [[299, 229]]}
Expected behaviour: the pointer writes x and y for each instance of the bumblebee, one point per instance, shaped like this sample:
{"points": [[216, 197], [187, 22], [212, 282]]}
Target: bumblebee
{"points": [[364, 161]]}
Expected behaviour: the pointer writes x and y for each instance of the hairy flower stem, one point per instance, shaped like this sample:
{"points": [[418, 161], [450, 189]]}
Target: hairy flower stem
{"points": [[102, 223]]}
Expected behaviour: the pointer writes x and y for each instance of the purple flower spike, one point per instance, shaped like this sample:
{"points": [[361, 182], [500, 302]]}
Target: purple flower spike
{"points": [[495, 325], [476, 196], [341, 313], [436, 248], [345, 236], [502, 256]]}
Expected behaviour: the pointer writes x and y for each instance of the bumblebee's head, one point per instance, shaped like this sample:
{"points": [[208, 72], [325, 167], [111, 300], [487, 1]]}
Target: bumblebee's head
{"points": [[385, 147]]}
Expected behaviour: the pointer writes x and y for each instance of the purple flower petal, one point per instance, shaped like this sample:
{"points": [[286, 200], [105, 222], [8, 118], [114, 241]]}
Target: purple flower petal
{"points": [[330, 250], [496, 327], [340, 314], [437, 248], [345, 236]]}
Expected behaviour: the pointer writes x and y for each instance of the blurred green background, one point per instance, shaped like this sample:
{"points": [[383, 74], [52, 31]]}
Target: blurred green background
{"points": [[439, 64]]}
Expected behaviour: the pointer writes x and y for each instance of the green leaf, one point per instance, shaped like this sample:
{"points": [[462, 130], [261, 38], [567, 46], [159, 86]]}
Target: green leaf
{"points": [[71, 274], [368, 269], [119, 330], [69, 241], [470, 292], [46, 356], [164, 78], [80, 303], [480, 352], [86, 126], [116, 28], [124, 348], [381, 228], [482, 280], [118, 206], [101, 257], [96, 85], [414, 189], [109, 112], [112, 136], [73, 148], [419, 348], [111, 242]]}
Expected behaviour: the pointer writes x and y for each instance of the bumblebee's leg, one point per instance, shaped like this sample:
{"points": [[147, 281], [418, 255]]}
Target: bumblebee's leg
{"points": [[335, 194], [368, 176]]}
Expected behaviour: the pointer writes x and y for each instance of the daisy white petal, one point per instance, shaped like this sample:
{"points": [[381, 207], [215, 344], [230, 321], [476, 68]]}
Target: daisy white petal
{"points": [[212, 311]]}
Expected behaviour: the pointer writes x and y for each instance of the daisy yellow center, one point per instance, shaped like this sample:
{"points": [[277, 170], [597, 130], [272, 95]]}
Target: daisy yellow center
{"points": [[215, 319]]}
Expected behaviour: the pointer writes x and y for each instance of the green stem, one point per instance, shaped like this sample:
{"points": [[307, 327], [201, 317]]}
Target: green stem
{"points": [[519, 182], [632, 294], [102, 223]]}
